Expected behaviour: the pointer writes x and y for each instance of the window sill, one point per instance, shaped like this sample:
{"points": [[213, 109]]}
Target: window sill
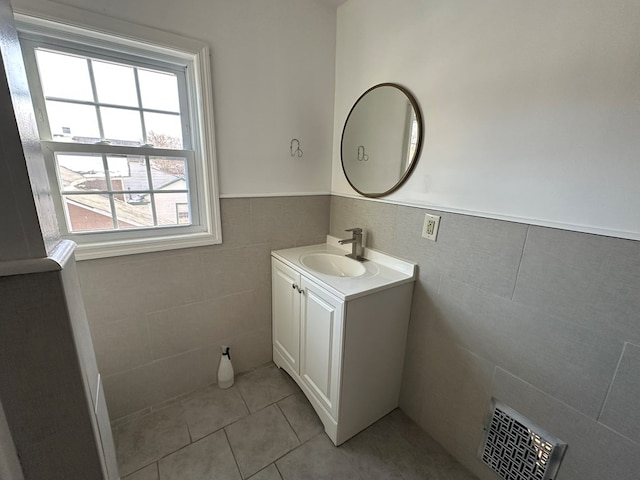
{"points": [[89, 251]]}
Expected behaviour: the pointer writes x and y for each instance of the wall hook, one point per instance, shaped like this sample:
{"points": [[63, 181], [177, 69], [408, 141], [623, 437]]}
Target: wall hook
{"points": [[362, 155], [297, 151]]}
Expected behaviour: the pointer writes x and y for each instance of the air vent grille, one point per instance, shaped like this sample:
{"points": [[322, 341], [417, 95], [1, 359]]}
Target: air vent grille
{"points": [[516, 449]]}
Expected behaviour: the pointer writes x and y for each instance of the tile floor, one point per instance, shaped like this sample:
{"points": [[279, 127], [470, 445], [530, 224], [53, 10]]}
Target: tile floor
{"points": [[263, 428]]}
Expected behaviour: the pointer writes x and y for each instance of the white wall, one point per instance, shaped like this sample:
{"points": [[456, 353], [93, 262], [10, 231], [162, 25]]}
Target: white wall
{"points": [[532, 109], [273, 76]]}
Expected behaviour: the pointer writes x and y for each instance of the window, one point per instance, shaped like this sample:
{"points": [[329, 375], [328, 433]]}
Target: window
{"points": [[126, 133]]}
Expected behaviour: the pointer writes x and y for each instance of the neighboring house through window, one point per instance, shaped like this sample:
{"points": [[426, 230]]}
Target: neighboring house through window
{"points": [[126, 128]]}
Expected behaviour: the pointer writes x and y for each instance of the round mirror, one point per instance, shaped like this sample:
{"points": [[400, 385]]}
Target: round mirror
{"points": [[381, 140]]}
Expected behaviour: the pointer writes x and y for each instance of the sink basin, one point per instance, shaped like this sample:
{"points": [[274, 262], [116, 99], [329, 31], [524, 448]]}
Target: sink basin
{"points": [[335, 265]]}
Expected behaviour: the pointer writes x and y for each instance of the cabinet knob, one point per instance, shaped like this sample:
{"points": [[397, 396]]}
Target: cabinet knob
{"points": [[294, 286]]}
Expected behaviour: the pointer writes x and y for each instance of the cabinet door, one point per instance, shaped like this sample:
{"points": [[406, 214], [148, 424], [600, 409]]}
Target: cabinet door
{"points": [[286, 313], [321, 325]]}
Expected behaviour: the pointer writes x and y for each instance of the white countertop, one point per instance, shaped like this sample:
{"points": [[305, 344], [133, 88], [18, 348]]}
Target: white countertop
{"points": [[382, 271]]}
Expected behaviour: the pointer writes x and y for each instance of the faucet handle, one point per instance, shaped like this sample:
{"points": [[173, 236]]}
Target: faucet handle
{"points": [[355, 230]]}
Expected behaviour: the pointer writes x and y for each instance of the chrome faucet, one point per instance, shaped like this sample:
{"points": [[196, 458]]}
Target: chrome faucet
{"points": [[357, 249]]}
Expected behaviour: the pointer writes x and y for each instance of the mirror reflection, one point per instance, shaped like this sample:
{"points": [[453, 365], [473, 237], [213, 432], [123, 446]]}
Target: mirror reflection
{"points": [[381, 140]]}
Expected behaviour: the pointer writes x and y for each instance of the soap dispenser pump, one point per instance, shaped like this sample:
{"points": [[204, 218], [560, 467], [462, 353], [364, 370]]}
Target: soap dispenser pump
{"points": [[225, 370]]}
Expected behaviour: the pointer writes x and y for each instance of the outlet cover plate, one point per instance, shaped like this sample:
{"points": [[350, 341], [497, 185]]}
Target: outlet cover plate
{"points": [[430, 227]]}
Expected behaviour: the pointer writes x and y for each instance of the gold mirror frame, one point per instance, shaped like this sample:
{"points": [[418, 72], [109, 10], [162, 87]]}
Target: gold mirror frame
{"points": [[361, 151]]}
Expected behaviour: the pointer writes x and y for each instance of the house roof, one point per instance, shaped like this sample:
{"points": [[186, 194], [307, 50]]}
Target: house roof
{"points": [[99, 203]]}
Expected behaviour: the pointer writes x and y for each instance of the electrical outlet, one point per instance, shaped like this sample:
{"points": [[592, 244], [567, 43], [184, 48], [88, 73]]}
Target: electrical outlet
{"points": [[430, 227]]}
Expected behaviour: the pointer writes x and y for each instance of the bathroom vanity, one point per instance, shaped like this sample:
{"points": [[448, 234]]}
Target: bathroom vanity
{"points": [[340, 329]]}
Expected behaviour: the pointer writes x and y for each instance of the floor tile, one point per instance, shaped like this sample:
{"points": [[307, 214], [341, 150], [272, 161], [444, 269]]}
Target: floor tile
{"points": [[148, 438], [318, 459], [301, 416], [207, 459], [212, 408], [265, 386], [260, 438], [441, 463], [158, 445], [393, 445], [367, 451], [149, 472], [269, 473]]}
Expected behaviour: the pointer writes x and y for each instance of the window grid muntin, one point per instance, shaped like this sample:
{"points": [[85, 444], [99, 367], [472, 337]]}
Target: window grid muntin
{"points": [[117, 54], [148, 47], [90, 58], [51, 148], [110, 192], [94, 92]]}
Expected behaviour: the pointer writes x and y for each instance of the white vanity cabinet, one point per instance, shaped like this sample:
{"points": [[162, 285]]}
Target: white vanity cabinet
{"points": [[307, 334], [344, 351], [285, 306], [321, 327]]}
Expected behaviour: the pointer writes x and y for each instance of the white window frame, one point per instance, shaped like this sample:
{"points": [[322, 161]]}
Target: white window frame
{"points": [[125, 39]]}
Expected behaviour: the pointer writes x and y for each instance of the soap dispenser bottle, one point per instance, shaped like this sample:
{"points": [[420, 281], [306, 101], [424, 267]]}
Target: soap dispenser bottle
{"points": [[225, 370]]}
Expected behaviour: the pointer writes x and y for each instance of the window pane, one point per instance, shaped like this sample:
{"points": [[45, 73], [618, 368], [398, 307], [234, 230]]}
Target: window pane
{"points": [[115, 84], [172, 208], [138, 215], [183, 213], [73, 123], [64, 76], [128, 173], [80, 172], [168, 173], [163, 131], [118, 166], [121, 127], [89, 212], [159, 90]]}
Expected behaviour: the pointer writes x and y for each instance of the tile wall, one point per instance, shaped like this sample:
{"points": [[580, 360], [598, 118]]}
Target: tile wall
{"points": [[546, 320], [44, 385], [157, 320]]}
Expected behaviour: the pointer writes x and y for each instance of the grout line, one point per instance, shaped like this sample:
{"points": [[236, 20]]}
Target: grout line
{"points": [[155, 462], [278, 470], [188, 429], [149, 339], [524, 246], [231, 448], [287, 420], [244, 402], [613, 378]]}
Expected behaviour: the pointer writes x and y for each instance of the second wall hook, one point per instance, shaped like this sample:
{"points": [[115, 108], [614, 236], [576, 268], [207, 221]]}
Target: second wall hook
{"points": [[295, 149]]}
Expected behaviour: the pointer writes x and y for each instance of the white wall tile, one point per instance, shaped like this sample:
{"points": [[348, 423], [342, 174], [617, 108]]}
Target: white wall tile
{"points": [[130, 286], [594, 450], [121, 345], [570, 362], [575, 305], [157, 309], [621, 411], [197, 325], [591, 279], [155, 382]]}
